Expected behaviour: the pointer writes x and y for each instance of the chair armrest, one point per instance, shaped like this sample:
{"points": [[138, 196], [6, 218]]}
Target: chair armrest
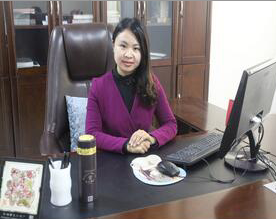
{"points": [[49, 144]]}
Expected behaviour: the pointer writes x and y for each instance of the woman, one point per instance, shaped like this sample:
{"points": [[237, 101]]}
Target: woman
{"points": [[122, 103]]}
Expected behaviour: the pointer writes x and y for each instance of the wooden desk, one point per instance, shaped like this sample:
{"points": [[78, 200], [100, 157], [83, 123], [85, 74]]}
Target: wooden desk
{"points": [[251, 201], [200, 115], [204, 116], [119, 192]]}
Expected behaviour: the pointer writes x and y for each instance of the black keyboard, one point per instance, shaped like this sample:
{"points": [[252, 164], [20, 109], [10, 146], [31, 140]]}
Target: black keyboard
{"points": [[194, 152]]}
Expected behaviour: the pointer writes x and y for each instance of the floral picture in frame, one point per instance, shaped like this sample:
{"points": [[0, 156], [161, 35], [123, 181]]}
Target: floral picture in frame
{"points": [[20, 187]]}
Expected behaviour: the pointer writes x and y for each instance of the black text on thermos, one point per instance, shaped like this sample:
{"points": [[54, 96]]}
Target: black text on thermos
{"points": [[87, 167]]}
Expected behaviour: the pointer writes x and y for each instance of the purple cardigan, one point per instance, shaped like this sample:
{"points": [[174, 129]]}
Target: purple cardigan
{"points": [[110, 122]]}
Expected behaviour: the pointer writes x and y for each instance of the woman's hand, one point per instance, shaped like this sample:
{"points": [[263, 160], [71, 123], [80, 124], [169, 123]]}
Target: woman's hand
{"points": [[140, 136], [140, 149]]}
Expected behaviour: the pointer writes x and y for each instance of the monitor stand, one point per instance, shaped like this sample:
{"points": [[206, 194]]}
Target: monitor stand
{"points": [[247, 158]]}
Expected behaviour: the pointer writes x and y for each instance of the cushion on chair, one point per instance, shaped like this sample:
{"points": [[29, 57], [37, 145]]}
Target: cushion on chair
{"points": [[76, 109]]}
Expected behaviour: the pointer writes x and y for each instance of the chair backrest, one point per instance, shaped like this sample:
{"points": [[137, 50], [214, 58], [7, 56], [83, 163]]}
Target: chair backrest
{"points": [[77, 53]]}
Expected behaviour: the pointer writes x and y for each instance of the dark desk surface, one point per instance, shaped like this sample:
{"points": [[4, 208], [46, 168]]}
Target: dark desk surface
{"points": [[250, 201], [119, 191]]}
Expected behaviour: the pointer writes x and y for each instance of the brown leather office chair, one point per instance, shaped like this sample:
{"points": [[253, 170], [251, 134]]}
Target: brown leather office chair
{"points": [[76, 54]]}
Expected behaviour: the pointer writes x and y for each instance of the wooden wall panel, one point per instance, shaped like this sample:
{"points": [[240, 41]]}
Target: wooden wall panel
{"points": [[31, 108], [190, 81], [194, 30], [164, 75], [6, 123]]}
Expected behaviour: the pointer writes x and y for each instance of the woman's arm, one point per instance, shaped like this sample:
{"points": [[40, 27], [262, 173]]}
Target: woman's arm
{"points": [[93, 123], [168, 125]]}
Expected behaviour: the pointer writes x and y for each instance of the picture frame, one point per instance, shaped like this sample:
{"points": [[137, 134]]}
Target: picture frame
{"points": [[21, 188]]}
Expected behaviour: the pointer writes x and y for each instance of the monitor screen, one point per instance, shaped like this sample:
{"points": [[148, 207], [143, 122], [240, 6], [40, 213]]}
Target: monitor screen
{"points": [[252, 103]]}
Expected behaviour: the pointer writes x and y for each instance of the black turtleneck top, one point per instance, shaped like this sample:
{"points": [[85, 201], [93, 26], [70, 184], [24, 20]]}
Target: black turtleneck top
{"points": [[126, 86]]}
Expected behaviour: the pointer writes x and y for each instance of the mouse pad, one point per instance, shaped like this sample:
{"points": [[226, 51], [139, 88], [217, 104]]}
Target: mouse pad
{"points": [[144, 169]]}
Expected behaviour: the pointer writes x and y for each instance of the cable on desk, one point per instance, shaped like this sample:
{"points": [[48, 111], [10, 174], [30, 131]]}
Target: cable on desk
{"points": [[267, 161], [259, 156], [270, 161], [212, 178], [267, 152]]}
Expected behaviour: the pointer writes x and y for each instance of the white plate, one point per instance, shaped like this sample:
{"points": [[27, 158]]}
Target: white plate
{"points": [[144, 169]]}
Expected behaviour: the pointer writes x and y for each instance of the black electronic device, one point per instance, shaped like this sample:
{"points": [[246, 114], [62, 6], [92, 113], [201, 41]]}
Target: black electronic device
{"points": [[168, 168], [252, 103], [197, 150]]}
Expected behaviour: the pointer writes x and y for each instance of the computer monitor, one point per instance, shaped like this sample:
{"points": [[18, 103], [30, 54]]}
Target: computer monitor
{"points": [[252, 103]]}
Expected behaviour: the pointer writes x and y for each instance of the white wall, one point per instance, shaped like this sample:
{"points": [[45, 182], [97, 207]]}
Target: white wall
{"points": [[243, 34]]}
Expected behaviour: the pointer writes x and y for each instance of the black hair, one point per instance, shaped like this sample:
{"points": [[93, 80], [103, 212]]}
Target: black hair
{"points": [[146, 89]]}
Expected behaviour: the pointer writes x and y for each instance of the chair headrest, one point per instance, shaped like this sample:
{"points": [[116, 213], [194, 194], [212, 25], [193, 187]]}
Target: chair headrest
{"points": [[88, 50]]}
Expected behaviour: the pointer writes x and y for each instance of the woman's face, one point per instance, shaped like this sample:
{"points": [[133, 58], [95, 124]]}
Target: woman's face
{"points": [[127, 52]]}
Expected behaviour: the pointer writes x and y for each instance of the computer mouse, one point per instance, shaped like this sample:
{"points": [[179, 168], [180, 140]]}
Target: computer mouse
{"points": [[168, 168]]}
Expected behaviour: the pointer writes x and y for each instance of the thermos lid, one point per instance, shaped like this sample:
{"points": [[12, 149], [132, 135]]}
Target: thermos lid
{"points": [[86, 138], [86, 145]]}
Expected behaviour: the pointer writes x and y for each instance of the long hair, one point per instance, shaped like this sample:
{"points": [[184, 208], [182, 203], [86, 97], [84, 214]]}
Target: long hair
{"points": [[146, 88]]}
